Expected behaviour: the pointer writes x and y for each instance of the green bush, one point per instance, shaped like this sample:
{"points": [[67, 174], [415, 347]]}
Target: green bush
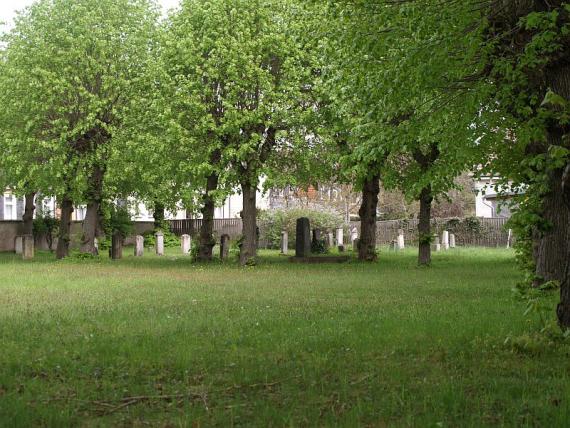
{"points": [[115, 219], [48, 226], [272, 222], [170, 239]]}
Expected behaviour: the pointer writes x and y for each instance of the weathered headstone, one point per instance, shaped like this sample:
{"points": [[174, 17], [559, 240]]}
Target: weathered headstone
{"points": [[116, 246], [303, 238], [224, 247], [509, 238], [330, 239], [284, 242], [354, 237], [355, 244], [445, 240], [19, 244], [452, 240], [139, 246], [159, 243], [340, 236], [436, 243], [401, 243], [28, 247], [185, 244]]}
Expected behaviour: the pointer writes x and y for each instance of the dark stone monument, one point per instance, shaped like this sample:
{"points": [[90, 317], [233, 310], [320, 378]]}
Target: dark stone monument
{"points": [[303, 238], [117, 246], [224, 247]]}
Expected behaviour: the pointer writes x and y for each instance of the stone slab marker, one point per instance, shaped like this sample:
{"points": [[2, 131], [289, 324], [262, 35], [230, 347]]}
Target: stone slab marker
{"points": [[303, 238], [186, 244], [401, 242], [452, 240], [27, 247], [509, 238], [340, 236], [284, 242], [445, 240], [330, 239], [224, 247], [159, 243], [436, 243], [354, 237], [139, 246], [19, 244], [116, 246]]}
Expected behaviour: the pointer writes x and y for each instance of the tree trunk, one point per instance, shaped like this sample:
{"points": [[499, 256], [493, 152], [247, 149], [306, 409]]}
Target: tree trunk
{"points": [[554, 250], [424, 227], [91, 223], [550, 246], [368, 217], [158, 215], [248, 250], [64, 236], [28, 216], [207, 240], [563, 309]]}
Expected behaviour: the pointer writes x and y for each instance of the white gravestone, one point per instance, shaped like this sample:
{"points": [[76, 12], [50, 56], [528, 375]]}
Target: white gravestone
{"points": [[445, 240], [284, 242], [340, 236], [139, 246], [186, 244], [19, 244], [159, 243], [401, 243], [452, 240]]}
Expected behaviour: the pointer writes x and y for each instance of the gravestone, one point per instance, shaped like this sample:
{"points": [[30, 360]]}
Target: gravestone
{"points": [[340, 236], [355, 244], [353, 237], [303, 238], [330, 240], [139, 246], [19, 244], [224, 247], [159, 243], [28, 247], [284, 242], [436, 244], [116, 246], [452, 240], [401, 243], [445, 240], [509, 238], [185, 244]]}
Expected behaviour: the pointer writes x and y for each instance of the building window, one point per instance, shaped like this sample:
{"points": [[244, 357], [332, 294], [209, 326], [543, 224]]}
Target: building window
{"points": [[10, 207], [80, 213]]}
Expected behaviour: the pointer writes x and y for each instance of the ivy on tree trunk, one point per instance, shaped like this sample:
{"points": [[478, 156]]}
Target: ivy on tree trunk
{"points": [[368, 218]]}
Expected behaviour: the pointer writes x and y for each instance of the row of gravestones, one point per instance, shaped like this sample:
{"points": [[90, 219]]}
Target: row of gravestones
{"points": [[24, 245], [447, 241], [303, 238], [116, 250]]}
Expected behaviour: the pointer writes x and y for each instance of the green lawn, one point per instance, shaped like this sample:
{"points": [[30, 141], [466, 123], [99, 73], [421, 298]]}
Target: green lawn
{"points": [[164, 342]]}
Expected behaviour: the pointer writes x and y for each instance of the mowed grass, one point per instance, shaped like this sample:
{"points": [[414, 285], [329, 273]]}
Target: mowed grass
{"points": [[164, 342]]}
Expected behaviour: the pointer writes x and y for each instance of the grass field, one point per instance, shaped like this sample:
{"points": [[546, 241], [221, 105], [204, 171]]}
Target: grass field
{"points": [[164, 342]]}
